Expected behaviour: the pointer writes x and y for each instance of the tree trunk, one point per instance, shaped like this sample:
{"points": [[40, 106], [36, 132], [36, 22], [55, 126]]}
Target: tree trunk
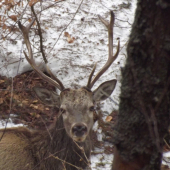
{"points": [[143, 118]]}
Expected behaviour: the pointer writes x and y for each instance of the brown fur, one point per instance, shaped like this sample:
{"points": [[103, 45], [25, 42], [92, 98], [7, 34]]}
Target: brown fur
{"points": [[23, 149]]}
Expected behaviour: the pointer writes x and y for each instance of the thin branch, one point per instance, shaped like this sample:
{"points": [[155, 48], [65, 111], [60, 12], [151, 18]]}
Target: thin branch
{"points": [[166, 143], [50, 6], [155, 128], [82, 150], [21, 16], [10, 108], [106, 94], [47, 128], [46, 158], [22, 12], [56, 157], [66, 26], [40, 35]]}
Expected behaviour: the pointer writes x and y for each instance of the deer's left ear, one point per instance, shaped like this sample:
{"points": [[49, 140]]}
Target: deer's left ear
{"points": [[48, 97], [104, 90]]}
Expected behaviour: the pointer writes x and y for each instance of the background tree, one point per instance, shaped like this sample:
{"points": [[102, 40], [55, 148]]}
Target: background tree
{"points": [[144, 108]]}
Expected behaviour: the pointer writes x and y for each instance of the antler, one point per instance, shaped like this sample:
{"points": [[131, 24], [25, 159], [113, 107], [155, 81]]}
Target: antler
{"points": [[111, 58], [54, 80]]}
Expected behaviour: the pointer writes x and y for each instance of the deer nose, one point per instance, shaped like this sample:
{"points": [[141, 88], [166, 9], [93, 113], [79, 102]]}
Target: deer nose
{"points": [[79, 130]]}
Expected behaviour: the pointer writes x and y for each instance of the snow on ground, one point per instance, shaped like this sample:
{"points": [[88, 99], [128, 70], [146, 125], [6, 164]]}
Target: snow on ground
{"points": [[166, 159], [73, 62], [8, 124], [101, 161]]}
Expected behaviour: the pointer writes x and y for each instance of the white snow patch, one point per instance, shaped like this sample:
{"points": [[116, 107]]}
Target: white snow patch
{"points": [[166, 158], [9, 124]]}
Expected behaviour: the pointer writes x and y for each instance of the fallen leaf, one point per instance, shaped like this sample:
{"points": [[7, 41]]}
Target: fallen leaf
{"points": [[1, 100], [35, 115], [37, 78], [109, 118], [69, 38], [20, 104], [41, 107], [2, 81], [13, 17], [25, 101], [33, 2], [34, 106], [35, 101], [16, 97], [66, 34]]}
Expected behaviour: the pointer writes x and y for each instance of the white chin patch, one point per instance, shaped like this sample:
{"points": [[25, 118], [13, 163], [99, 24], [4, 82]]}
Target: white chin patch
{"points": [[78, 139]]}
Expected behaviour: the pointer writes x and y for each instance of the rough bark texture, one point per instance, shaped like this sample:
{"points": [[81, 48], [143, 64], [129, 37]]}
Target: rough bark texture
{"points": [[145, 105]]}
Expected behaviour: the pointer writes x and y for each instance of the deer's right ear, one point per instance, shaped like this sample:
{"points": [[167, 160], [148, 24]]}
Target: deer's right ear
{"points": [[104, 90], [48, 97]]}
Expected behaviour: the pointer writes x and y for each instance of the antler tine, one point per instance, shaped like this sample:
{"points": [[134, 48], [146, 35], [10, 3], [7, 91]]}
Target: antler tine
{"points": [[111, 58], [91, 75], [25, 31], [54, 77]]}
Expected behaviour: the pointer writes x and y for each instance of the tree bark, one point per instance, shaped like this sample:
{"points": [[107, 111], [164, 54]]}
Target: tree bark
{"points": [[144, 108]]}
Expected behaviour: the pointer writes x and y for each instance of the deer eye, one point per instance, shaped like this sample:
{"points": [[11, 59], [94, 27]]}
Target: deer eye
{"points": [[62, 110], [92, 108]]}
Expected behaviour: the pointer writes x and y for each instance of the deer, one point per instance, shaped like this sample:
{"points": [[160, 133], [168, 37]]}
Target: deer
{"points": [[67, 143]]}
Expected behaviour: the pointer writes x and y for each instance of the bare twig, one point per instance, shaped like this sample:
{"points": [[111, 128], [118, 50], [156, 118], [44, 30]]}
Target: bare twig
{"points": [[46, 128], [82, 150], [66, 26], [47, 158], [50, 6], [10, 107], [109, 97], [22, 13], [155, 128], [56, 157], [40, 35], [166, 143]]}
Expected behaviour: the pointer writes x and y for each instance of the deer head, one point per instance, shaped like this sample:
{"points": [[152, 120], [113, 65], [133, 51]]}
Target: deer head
{"points": [[76, 105]]}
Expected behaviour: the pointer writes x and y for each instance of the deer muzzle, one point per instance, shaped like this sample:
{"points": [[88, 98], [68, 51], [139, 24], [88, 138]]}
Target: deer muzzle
{"points": [[79, 132]]}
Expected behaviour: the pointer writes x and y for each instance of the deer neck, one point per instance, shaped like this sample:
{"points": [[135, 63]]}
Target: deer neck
{"points": [[55, 143]]}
